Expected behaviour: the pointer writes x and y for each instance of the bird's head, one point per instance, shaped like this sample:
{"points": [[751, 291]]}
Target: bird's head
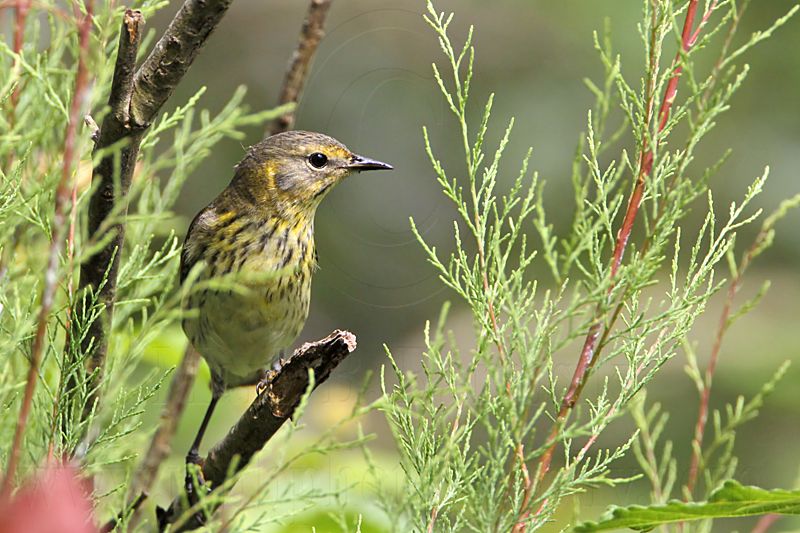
{"points": [[293, 171]]}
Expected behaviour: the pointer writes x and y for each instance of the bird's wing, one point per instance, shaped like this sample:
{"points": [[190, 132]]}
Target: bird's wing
{"points": [[193, 243]]}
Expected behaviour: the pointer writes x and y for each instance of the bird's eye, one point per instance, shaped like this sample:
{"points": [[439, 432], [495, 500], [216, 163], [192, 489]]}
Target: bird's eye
{"points": [[318, 160]]}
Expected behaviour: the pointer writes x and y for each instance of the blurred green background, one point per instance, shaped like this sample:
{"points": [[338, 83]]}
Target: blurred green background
{"points": [[371, 86]]}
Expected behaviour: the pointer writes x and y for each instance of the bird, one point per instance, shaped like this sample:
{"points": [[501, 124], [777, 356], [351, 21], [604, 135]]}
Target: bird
{"points": [[260, 231]]}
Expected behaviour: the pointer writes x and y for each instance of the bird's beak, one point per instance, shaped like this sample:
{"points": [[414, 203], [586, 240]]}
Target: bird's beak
{"points": [[359, 163]]}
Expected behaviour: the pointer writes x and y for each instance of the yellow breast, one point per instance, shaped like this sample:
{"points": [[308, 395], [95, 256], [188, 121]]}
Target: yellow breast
{"points": [[240, 331]]}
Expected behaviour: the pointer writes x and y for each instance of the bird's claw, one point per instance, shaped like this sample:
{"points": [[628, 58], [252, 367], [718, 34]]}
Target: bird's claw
{"points": [[269, 375], [264, 383]]}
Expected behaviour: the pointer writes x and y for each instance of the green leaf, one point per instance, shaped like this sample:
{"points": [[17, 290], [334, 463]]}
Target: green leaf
{"points": [[730, 500]]}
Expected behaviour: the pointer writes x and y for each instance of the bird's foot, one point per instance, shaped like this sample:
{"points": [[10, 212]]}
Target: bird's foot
{"points": [[269, 375], [264, 383]]}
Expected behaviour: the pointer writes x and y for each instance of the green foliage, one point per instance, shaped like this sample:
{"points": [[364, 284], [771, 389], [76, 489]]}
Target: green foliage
{"points": [[730, 500], [476, 428]]}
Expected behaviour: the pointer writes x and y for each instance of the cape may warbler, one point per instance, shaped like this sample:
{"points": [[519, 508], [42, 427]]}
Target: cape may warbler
{"points": [[262, 228]]}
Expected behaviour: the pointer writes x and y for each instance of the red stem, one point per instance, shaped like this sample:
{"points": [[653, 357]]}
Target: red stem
{"points": [[588, 355], [55, 10], [492, 316], [705, 393], [722, 328], [432, 521], [765, 522], [51, 273], [22, 8]]}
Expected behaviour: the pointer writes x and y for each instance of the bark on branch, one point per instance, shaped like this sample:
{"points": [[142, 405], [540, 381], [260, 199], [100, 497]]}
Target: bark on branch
{"points": [[135, 99], [263, 419], [173, 55]]}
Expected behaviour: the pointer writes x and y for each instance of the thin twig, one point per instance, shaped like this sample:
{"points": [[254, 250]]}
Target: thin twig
{"points": [[705, 392], [489, 302], [40, 6], [726, 45], [21, 15], [51, 278], [134, 102], [432, 520], [161, 443], [21, 8], [527, 485], [261, 421], [310, 36], [112, 524], [70, 269]]}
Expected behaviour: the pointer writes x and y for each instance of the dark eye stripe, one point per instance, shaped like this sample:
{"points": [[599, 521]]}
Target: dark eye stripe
{"points": [[318, 160]]}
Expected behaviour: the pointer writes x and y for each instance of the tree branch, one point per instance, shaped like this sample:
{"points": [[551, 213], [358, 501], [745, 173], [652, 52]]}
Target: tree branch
{"points": [[310, 36], [135, 100], [173, 55], [93, 271], [262, 420]]}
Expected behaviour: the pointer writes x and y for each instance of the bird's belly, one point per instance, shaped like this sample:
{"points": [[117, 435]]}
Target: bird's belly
{"points": [[239, 335]]}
